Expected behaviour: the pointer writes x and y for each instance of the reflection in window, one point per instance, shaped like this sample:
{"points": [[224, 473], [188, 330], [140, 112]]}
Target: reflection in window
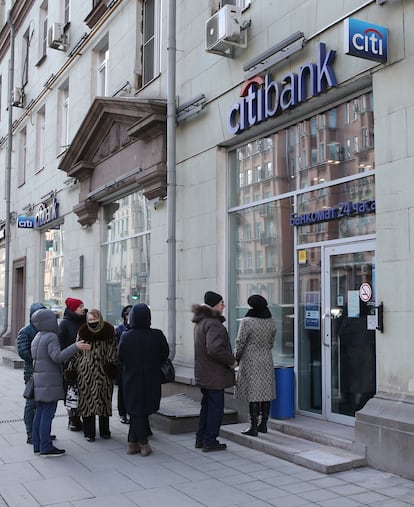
{"points": [[323, 148], [264, 266], [52, 268], [125, 250]]}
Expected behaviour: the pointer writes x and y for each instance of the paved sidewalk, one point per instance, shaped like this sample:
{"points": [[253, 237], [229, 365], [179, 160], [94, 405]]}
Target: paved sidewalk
{"points": [[101, 474]]}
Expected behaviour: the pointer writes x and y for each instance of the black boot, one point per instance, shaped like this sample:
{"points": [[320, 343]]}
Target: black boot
{"points": [[254, 412], [264, 410]]}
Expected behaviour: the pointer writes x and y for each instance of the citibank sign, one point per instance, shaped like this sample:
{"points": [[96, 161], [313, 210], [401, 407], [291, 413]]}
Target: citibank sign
{"points": [[263, 98]]}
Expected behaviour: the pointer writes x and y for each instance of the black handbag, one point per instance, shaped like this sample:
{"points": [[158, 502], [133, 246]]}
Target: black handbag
{"points": [[167, 372], [28, 392]]}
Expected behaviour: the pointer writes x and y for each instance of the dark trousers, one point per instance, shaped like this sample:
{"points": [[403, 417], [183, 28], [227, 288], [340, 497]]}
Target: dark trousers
{"points": [[42, 424], [138, 429], [89, 428], [211, 415], [121, 404], [29, 413]]}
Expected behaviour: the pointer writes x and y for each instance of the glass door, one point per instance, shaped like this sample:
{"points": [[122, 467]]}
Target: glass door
{"points": [[349, 323]]}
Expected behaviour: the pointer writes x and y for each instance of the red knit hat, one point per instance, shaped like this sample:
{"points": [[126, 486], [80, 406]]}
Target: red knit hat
{"points": [[73, 303]]}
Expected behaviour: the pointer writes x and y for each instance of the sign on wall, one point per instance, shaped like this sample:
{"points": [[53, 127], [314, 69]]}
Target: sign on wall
{"points": [[365, 40]]}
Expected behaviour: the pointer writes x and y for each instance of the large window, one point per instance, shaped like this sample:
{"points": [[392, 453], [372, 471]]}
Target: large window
{"points": [[21, 175], [102, 65], [63, 141], [52, 268], [41, 139], [323, 162], [151, 42], [264, 266], [125, 252]]}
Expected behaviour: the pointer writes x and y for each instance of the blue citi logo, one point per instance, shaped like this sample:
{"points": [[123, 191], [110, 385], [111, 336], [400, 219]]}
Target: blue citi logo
{"points": [[365, 40]]}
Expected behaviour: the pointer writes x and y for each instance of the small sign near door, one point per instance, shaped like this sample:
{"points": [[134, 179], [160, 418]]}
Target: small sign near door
{"points": [[365, 292]]}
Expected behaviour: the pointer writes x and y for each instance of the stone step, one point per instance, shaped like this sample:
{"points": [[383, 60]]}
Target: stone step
{"points": [[11, 358], [179, 414], [314, 455]]}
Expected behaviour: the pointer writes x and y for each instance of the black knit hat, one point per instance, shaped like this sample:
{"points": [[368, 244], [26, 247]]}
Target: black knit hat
{"points": [[257, 302], [212, 298]]}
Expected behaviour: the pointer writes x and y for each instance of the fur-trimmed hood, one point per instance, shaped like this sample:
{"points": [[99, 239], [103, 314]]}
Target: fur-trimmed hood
{"points": [[205, 312], [103, 334]]}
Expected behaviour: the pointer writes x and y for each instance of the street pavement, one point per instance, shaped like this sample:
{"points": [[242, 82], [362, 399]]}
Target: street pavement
{"points": [[101, 474]]}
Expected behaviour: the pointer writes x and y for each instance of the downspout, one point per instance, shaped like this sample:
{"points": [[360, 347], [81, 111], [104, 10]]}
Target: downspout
{"points": [[8, 179], [171, 175]]}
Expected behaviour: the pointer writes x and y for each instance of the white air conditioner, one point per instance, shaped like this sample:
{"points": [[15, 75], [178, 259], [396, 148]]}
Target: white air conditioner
{"points": [[18, 97], [57, 38], [224, 30]]}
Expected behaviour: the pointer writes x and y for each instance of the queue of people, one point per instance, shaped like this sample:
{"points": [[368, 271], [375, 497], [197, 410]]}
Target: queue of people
{"points": [[86, 351]]}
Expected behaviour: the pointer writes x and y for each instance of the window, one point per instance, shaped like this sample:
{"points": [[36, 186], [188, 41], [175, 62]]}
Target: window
{"points": [[64, 118], [151, 43], [66, 11], [25, 58], [2, 13], [102, 72], [52, 268], [40, 140], [22, 157], [43, 23], [125, 254]]}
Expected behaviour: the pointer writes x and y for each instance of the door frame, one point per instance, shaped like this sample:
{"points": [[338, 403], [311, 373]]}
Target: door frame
{"points": [[327, 252]]}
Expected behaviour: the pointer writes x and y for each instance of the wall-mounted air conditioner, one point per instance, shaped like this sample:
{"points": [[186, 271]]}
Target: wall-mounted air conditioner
{"points": [[57, 38], [224, 30], [17, 97], [243, 4]]}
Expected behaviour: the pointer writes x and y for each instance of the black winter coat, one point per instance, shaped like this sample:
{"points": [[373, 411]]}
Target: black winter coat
{"points": [[69, 327], [141, 352]]}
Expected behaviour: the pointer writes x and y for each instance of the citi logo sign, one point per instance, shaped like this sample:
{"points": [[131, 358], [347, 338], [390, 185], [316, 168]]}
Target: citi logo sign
{"points": [[365, 40]]}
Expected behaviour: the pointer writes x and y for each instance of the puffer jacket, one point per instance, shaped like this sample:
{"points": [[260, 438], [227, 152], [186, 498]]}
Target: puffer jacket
{"points": [[213, 357], [48, 357], [24, 342]]}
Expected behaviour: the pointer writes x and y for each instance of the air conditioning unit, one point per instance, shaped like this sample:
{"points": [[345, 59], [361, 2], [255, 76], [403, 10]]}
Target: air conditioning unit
{"points": [[18, 97], [57, 38], [224, 30]]}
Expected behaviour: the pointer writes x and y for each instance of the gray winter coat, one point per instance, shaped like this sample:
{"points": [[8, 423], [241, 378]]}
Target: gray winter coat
{"points": [[48, 357], [255, 380], [213, 357]]}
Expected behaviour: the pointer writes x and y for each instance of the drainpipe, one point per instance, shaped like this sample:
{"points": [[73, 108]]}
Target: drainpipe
{"points": [[8, 180], [171, 175]]}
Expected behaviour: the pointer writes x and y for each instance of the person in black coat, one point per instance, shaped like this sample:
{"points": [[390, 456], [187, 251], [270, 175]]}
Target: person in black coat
{"points": [[73, 318], [141, 352]]}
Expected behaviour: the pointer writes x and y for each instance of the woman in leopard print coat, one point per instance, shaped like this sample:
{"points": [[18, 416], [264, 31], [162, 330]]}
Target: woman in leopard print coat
{"points": [[95, 372]]}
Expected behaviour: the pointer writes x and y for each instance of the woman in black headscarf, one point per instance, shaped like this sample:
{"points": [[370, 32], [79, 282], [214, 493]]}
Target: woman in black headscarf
{"points": [[141, 352], [255, 380]]}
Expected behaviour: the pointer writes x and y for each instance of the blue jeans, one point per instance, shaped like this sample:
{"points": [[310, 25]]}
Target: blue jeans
{"points": [[42, 424], [29, 412], [211, 415]]}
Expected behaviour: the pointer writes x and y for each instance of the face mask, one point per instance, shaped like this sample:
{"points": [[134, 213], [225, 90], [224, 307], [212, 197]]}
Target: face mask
{"points": [[93, 325]]}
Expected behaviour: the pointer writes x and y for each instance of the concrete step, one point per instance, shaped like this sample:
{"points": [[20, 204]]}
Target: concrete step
{"points": [[314, 455], [179, 414], [11, 358]]}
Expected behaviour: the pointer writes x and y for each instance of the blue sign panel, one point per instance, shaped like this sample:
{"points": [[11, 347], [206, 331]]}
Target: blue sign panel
{"points": [[365, 40], [25, 222]]}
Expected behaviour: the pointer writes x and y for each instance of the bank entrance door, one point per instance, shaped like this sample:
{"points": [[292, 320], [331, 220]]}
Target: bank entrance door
{"points": [[336, 365], [349, 329]]}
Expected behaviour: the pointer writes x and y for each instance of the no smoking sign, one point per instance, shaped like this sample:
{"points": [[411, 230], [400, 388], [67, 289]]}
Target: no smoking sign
{"points": [[365, 292]]}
